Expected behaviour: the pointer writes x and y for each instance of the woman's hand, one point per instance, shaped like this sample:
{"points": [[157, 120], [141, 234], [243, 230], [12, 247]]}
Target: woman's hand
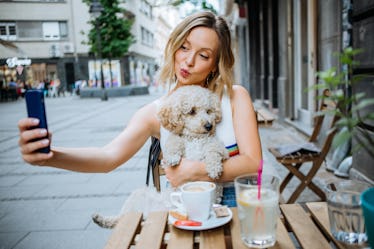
{"points": [[29, 143], [186, 171]]}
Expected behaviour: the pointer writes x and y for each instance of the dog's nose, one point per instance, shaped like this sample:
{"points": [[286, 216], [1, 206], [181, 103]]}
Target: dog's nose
{"points": [[208, 126]]}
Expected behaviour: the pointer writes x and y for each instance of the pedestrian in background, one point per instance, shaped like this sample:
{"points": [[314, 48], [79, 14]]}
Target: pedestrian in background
{"points": [[46, 87], [55, 84], [197, 53]]}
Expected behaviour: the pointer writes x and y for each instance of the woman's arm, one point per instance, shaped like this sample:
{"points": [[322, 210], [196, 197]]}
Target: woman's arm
{"points": [[91, 159], [248, 140], [247, 137]]}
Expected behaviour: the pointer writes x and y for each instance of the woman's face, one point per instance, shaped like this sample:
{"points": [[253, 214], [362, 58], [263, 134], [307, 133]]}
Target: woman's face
{"points": [[196, 58]]}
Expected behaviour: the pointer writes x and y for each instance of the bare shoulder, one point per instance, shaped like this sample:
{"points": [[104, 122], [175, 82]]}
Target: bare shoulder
{"points": [[240, 95], [147, 115]]}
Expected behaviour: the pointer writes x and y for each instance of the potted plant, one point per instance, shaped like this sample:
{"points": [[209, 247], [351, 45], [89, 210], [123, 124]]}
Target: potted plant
{"points": [[351, 105]]}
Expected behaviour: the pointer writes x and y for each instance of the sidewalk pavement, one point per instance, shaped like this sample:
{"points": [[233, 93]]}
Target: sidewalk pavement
{"points": [[43, 207]]}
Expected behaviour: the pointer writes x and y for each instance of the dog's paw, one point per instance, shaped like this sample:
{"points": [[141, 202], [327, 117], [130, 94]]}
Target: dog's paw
{"points": [[104, 222], [171, 161], [214, 170], [225, 154]]}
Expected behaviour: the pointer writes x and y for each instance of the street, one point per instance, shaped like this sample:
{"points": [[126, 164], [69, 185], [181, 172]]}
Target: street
{"points": [[43, 207]]}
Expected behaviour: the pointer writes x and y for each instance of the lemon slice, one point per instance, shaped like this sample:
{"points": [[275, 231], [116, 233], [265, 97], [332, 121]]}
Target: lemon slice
{"points": [[247, 197]]}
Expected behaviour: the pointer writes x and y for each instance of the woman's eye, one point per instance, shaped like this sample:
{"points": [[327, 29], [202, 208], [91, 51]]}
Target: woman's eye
{"points": [[183, 47], [192, 112], [204, 56]]}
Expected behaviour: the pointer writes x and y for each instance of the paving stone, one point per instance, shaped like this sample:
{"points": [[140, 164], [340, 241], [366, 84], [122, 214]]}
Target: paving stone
{"points": [[44, 221], [92, 239], [10, 239]]}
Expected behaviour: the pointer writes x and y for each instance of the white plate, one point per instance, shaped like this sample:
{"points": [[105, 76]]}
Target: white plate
{"points": [[212, 222]]}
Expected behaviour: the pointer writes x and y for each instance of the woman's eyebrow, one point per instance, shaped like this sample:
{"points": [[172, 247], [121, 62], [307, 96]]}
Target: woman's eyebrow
{"points": [[189, 43]]}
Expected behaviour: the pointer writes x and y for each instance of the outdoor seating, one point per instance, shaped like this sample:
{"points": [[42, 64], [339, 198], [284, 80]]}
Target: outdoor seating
{"points": [[264, 117], [300, 226], [293, 156]]}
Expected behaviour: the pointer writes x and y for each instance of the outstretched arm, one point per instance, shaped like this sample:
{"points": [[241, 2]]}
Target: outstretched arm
{"points": [[91, 159]]}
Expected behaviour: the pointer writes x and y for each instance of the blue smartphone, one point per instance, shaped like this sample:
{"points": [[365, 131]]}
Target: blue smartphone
{"points": [[36, 109]]}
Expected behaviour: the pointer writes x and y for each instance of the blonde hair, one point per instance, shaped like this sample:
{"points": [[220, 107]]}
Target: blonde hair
{"points": [[223, 77]]}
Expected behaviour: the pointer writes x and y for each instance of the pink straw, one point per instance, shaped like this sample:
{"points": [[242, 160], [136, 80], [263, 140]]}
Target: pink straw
{"points": [[259, 176]]}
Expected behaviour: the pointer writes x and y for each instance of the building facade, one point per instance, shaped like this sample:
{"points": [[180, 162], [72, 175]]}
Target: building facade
{"points": [[47, 33], [288, 41], [44, 40]]}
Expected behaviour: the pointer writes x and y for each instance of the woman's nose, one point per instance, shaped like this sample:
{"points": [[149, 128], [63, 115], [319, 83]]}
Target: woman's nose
{"points": [[190, 59]]}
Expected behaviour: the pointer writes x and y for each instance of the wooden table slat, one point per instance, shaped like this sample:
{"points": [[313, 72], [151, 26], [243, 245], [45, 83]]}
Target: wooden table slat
{"points": [[236, 239], [212, 239], [283, 239], [151, 236], [320, 214], [308, 226], [180, 239], [303, 227], [130, 223]]}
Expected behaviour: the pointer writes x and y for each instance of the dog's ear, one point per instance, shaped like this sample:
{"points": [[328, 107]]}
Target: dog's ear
{"points": [[217, 107], [170, 116]]}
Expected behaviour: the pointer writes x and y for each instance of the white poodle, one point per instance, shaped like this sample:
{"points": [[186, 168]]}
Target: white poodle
{"points": [[191, 114]]}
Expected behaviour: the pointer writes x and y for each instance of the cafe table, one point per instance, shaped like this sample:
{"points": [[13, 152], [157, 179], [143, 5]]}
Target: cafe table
{"points": [[303, 226]]}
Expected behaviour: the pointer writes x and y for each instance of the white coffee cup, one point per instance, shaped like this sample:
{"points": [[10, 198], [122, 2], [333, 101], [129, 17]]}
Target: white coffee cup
{"points": [[196, 198]]}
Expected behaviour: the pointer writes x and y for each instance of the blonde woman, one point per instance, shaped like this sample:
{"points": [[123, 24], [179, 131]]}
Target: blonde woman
{"points": [[198, 53]]}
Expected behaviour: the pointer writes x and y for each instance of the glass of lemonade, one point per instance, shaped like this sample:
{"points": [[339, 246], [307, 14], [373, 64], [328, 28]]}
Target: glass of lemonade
{"points": [[258, 213]]}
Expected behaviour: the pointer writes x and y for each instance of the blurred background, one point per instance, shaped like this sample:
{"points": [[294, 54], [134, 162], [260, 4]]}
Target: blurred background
{"points": [[79, 47]]}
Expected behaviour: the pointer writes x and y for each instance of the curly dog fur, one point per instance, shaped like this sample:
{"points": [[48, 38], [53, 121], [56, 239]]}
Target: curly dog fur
{"points": [[191, 114]]}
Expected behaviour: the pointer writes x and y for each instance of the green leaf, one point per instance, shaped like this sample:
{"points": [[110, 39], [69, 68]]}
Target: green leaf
{"points": [[363, 104], [351, 106], [114, 31], [369, 116], [341, 137]]}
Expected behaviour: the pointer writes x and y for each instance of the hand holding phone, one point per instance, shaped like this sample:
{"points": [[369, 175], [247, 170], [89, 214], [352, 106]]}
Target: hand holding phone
{"points": [[36, 109]]}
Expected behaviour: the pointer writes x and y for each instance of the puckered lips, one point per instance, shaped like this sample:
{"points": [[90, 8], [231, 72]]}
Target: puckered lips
{"points": [[184, 73]]}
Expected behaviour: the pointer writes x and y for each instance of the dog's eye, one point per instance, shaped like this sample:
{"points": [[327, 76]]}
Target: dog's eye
{"points": [[209, 111], [192, 111]]}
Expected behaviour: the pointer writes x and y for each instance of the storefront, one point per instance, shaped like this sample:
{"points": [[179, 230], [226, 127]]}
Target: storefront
{"points": [[14, 69], [30, 72]]}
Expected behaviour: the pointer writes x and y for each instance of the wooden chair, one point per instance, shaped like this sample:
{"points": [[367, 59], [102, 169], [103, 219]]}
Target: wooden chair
{"points": [[320, 144], [154, 159]]}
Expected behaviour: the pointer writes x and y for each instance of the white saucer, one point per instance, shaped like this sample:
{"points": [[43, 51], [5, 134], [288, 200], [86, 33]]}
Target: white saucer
{"points": [[212, 222]]}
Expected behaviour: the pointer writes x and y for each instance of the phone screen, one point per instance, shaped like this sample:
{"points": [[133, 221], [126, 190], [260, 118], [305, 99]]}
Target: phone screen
{"points": [[36, 109]]}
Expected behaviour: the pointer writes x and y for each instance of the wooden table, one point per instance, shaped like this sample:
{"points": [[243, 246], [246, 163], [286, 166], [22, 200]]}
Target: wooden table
{"points": [[308, 225]]}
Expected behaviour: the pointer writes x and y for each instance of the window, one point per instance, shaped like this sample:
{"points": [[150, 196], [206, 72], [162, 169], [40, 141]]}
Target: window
{"points": [[51, 31], [147, 37], [146, 8], [33, 30], [29, 30], [63, 29], [8, 31]]}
